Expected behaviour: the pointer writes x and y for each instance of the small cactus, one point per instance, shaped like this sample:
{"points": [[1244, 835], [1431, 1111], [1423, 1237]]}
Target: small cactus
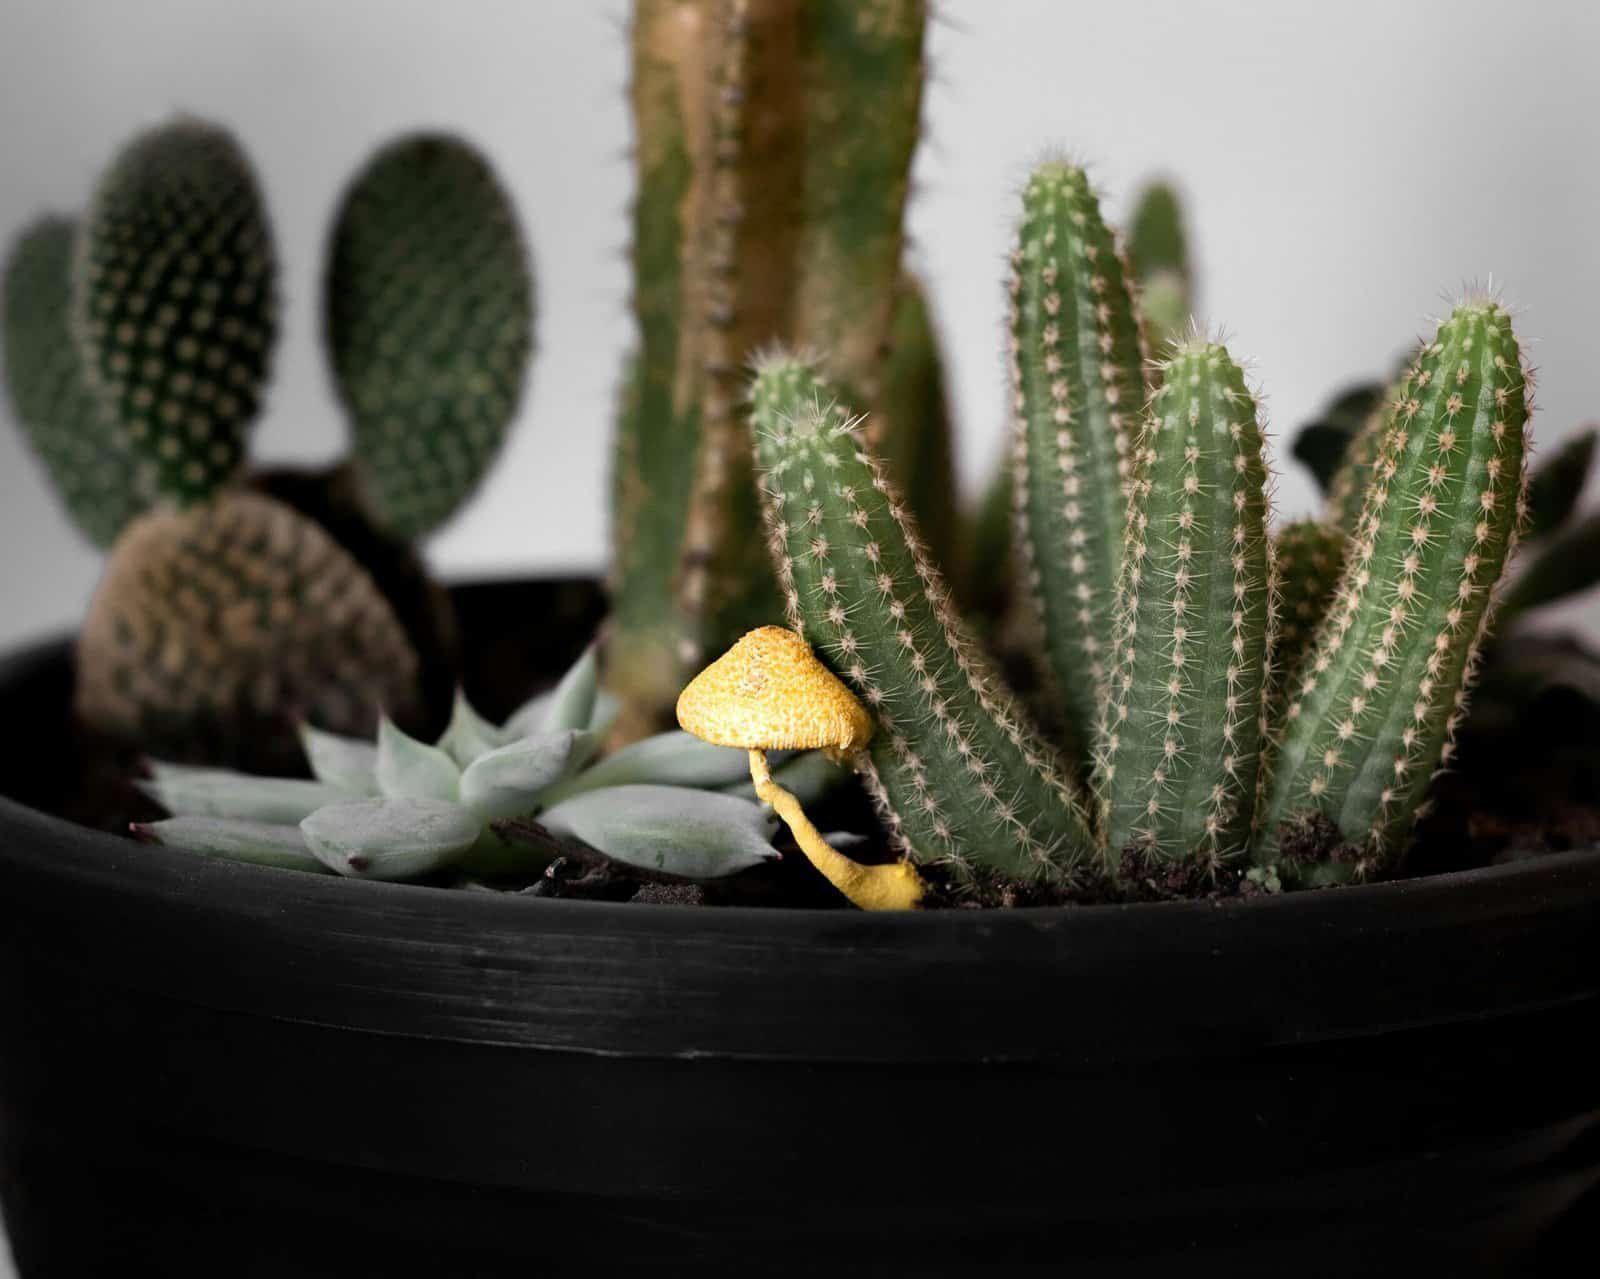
{"points": [[1184, 720], [221, 619], [960, 776], [774, 143], [1380, 697], [429, 321], [175, 305], [1159, 251], [84, 454], [1078, 392]]}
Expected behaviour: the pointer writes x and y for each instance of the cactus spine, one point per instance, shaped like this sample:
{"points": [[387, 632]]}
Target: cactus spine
{"points": [[175, 305], [960, 776], [1380, 696], [84, 454], [429, 321], [760, 218], [1181, 744], [1077, 392]]}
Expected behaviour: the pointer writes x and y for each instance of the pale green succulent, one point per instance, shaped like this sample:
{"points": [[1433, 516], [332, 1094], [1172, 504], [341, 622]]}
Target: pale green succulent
{"points": [[400, 808]]}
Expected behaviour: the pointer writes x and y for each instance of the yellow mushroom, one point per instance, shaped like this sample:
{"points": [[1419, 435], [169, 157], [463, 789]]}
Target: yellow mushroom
{"points": [[769, 692]]}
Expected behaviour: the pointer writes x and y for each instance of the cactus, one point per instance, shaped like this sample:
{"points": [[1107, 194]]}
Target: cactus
{"points": [[1308, 555], [1381, 695], [225, 617], [1159, 251], [429, 321], [960, 776], [760, 217], [85, 456], [1180, 747], [174, 305], [1077, 393]]}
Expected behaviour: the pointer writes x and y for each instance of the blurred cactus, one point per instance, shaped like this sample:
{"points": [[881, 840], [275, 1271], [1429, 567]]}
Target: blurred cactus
{"points": [[774, 140], [1159, 252], [84, 454], [429, 319], [1309, 557]]}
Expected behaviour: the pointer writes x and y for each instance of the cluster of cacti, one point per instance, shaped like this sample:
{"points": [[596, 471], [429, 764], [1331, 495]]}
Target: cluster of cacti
{"points": [[138, 343], [1234, 694], [399, 808], [774, 141]]}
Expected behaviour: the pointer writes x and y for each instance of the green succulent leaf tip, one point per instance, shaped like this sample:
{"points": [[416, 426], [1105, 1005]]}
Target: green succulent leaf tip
{"points": [[174, 306], [1378, 699], [1184, 720], [429, 318], [84, 455], [1078, 392], [959, 775]]}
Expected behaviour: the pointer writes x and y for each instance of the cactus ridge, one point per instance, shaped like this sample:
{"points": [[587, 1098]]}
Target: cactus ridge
{"points": [[1180, 746], [1078, 390], [960, 776], [1379, 699], [84, 455], [234, 613], [174, 305], [429, 319]]}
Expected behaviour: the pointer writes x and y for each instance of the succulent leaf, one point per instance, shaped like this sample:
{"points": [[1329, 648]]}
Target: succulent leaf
{"points": [[409, 769], [693, 834], [509, 781], [218, 792], [468, 735], [390, 838], [256, 842], [348, 763]]}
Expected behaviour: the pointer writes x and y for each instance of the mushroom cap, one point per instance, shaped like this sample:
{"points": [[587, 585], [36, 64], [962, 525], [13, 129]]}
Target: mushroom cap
{"points": [[769, 692]]}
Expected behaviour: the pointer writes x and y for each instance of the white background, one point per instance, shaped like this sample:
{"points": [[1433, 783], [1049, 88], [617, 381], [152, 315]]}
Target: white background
{"points": [[1347, 166]]}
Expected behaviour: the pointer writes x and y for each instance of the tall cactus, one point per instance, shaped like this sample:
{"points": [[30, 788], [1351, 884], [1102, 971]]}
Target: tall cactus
{"points": [[960, 776], [83, 452], [175, 305], [1381, 695], [1159, 251], [429, 320], [774, 140], [1077, 395], [1181, 745]]}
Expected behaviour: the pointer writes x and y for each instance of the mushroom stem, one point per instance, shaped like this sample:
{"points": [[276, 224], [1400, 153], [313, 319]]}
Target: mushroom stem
{"points": [[895, 886]]}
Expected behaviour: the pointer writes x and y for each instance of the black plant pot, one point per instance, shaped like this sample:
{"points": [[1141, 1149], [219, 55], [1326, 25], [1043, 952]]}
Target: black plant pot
{"points": [[221, 1069]]}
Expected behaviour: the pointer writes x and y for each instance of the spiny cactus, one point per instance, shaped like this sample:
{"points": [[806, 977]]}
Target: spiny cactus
{"points": [[174, 305], [1159, 251], [774, 140], [1180, 747], [960, 776], [1382, 693], [84, 454], [1077, 394], [429, 320], [229, 616], [1309, 555]]}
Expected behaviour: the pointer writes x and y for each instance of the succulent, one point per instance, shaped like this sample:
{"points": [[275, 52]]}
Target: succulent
{"points": [[1159, 252], [774, 143], [138, 344], [400, 808], [1204, 763]]}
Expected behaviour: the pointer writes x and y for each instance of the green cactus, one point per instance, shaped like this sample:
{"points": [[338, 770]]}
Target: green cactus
{"points": [[1309, 556], [85, 456], [760, 218], [213, 622], [1159, 251], [174, 305], [960, 776], [1078, 392], [915, 443], [1380, 697], [1176, 767], [429, 305]]}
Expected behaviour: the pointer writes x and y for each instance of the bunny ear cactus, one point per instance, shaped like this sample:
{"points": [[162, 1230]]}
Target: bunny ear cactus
{"points": [[429, 319], [1177, 761], [1381, 694], [1078, 391], [84, 454], [960, 776], [222, 618], [175, 306], [774, 140]]}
